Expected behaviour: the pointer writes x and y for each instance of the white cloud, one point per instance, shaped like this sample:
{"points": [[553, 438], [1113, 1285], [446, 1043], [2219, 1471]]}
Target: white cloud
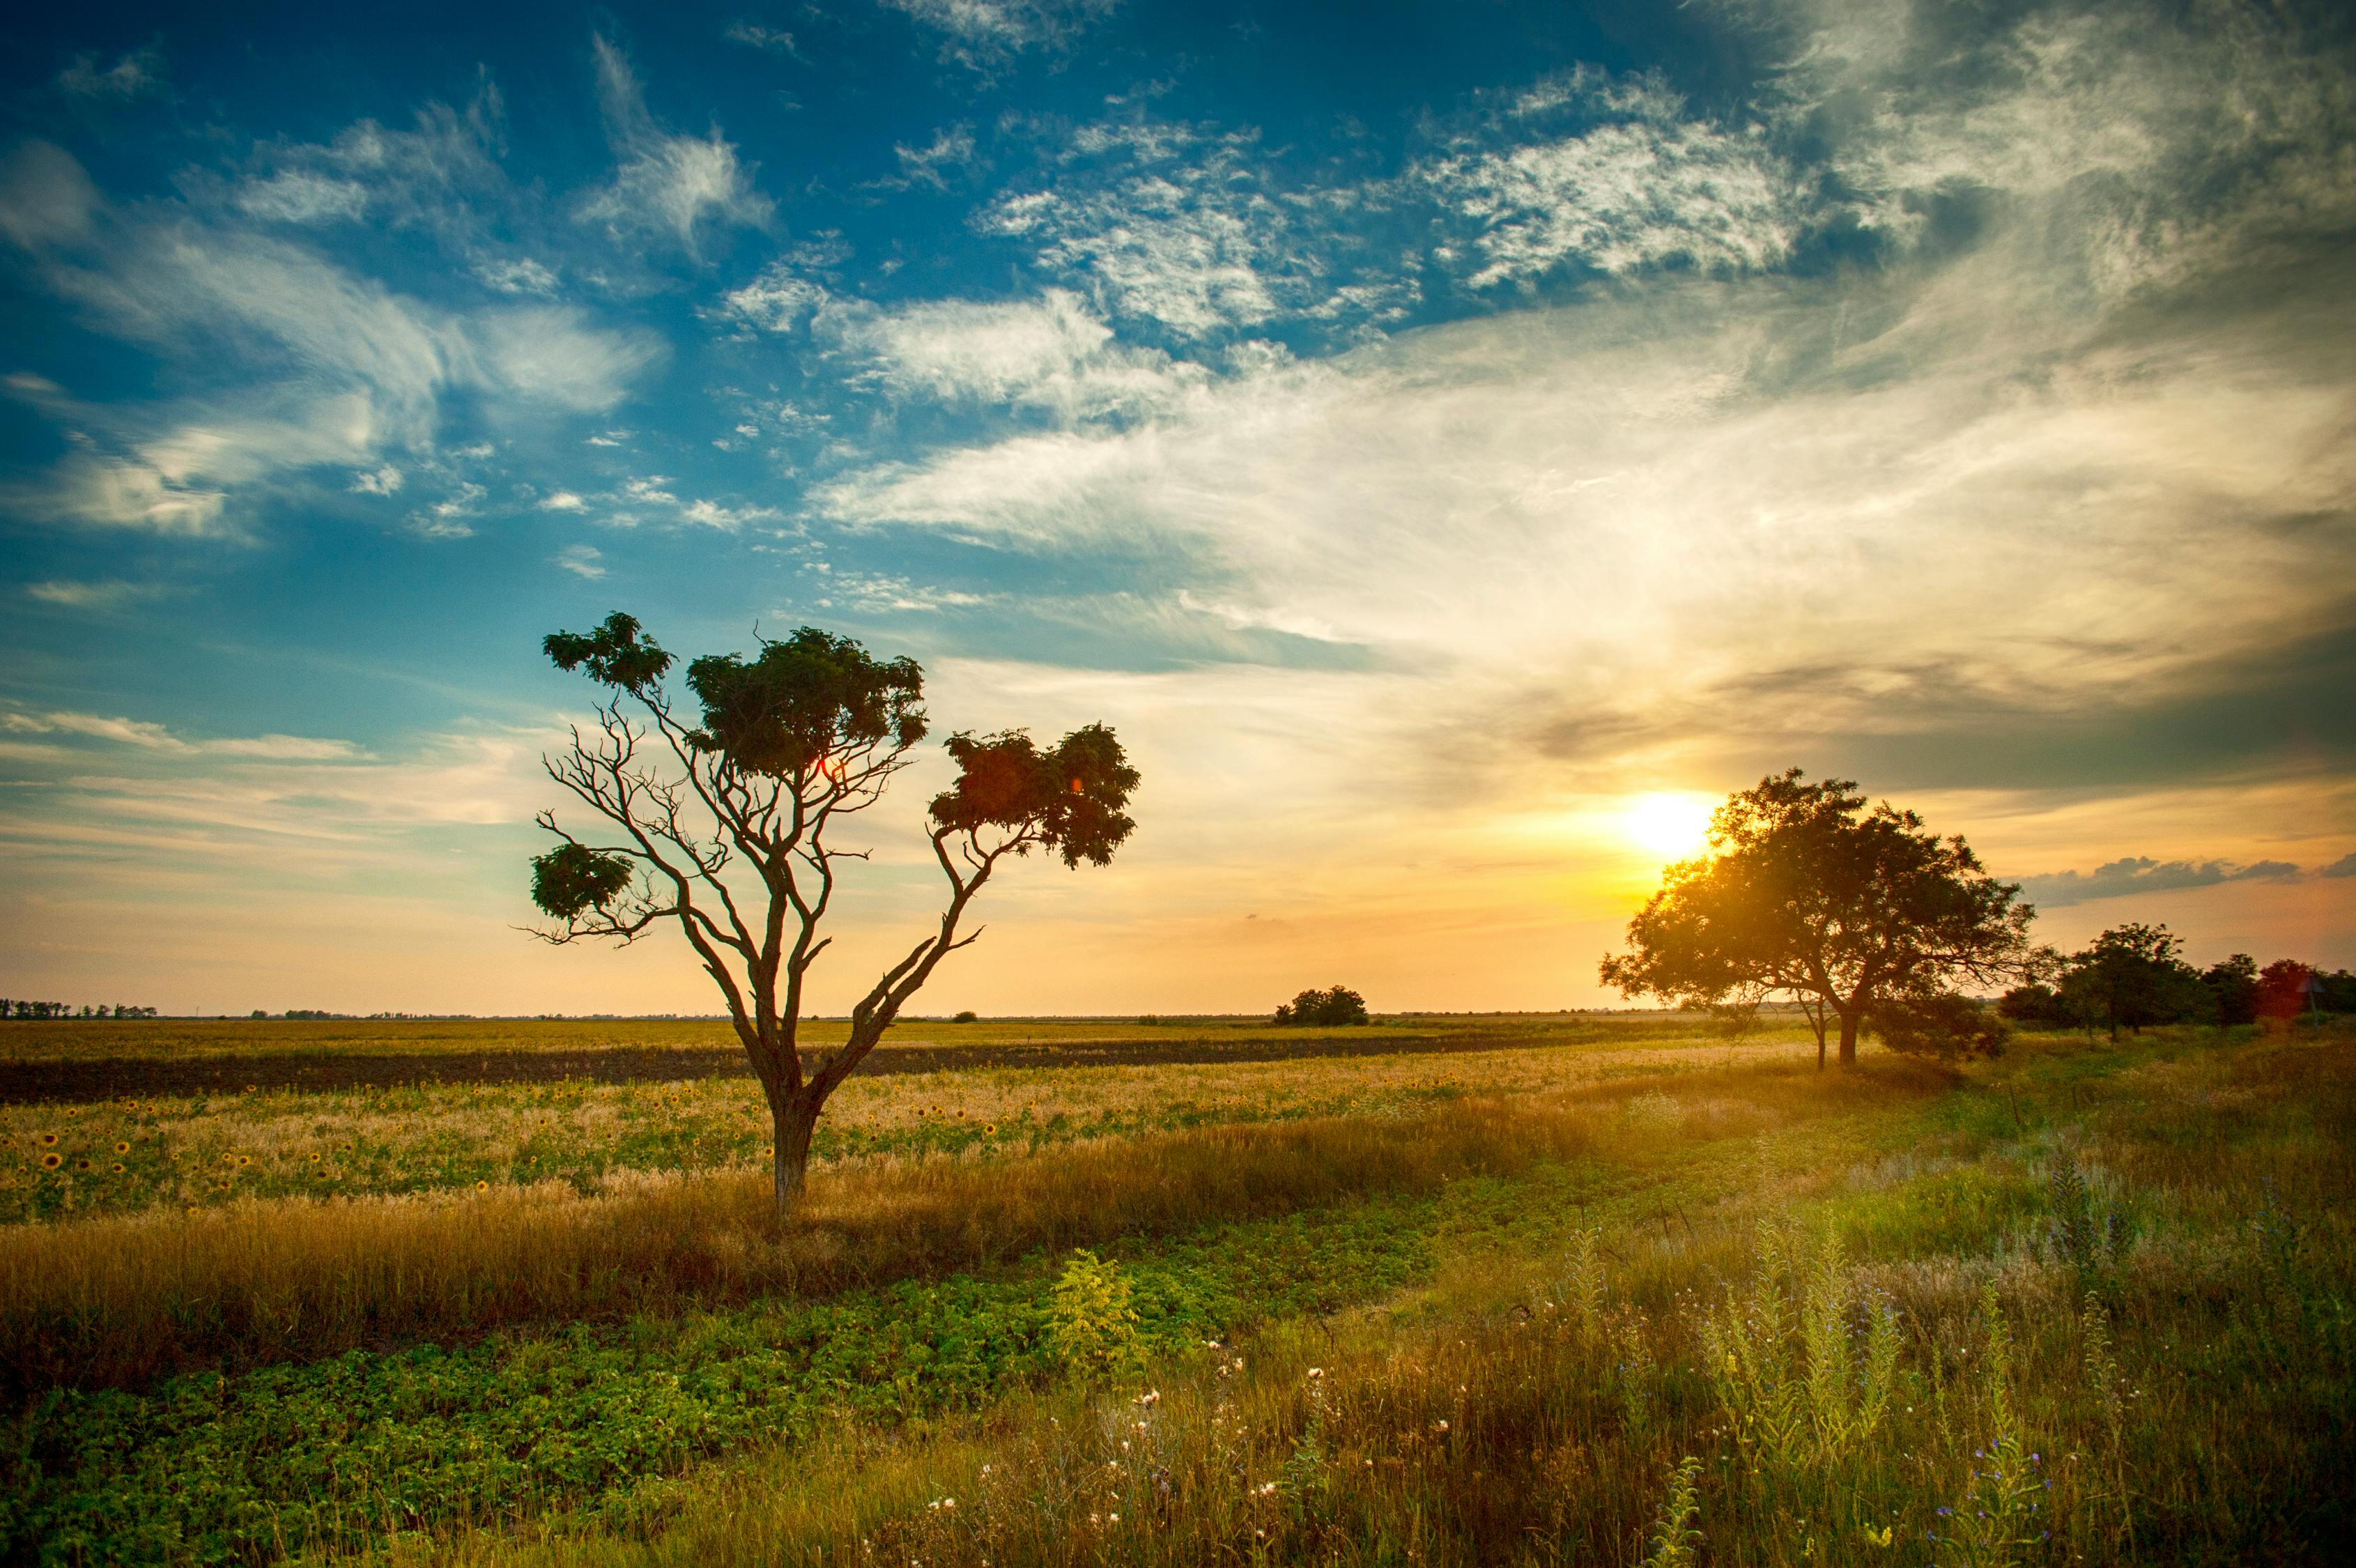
{"points": [[300, 196], [562, 501], [980, 32], [1646, 186], [1197, 245], [133, 75], [951, 148], [46, 199], [517, 275], [1048, 353], [337, 368], [149, 737], [99, 595], [712, 514], [553, 354], [666, 182], [768, 40], [581, 560]]}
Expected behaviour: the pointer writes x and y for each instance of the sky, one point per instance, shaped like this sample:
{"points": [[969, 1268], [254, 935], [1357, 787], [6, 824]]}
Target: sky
{"points": [[1452, 445]]}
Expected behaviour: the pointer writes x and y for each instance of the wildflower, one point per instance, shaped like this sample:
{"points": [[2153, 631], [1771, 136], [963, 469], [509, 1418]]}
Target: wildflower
{"points": [[990, 1131], [48, 1140], [122, 1147], [51, 1162], [1316, 1371], [118, 1167], [1440, 1426], [315, 1157], [244, 1160], [482, 1186]]}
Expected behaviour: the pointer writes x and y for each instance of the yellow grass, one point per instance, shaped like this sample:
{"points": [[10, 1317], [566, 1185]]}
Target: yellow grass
{"points": [[121, 1300]]}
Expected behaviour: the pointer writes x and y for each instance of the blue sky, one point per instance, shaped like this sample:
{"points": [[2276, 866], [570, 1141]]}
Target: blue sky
{"points": [[1429, 433]]}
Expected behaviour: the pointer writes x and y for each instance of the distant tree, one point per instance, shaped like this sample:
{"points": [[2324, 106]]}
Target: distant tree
{"points": [[1940, 1023], [2232, 987], [2131, 977], [2035, 1006], [1805, 893], [1328, 1009], [724, 829], [2287, 988]]}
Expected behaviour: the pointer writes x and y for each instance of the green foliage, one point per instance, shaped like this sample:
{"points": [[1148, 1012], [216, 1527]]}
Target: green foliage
{"points": [[615, 654], [803, 701], [1797, 1383], [572, 879], [1675, 1539], [218, 1469], [1091, 1328], [1941, 1025], [1068, 801], [2232, 990], [1337, 1007], [1997, 1525], [2084, 1233], [2131, 977]]}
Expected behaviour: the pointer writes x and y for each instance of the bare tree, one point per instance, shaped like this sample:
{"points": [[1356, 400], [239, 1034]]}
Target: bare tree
{"points": [[721, 829]]}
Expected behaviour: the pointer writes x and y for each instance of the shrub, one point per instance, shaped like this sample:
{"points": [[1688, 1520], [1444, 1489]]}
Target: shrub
{"points": [[967, 1017], [1090, 1325], [1340, 1005], [1941, 1025]]}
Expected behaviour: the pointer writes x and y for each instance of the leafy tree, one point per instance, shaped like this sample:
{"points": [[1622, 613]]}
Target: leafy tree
{"points": [[724, 829], [1330, 1009], [1807, 895], [2232, 990], [2131, 977]]}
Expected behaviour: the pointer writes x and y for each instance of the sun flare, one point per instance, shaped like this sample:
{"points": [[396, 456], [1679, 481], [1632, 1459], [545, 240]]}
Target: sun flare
{"points": [[1667, 824]]}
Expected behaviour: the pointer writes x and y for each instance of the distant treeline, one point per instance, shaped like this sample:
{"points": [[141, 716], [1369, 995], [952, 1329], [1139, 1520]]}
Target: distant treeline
{"points": [[10, 1007], [2132, 976]]}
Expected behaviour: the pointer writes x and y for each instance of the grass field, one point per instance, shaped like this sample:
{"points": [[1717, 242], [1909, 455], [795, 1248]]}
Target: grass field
{"points": [[1607, 1292]]}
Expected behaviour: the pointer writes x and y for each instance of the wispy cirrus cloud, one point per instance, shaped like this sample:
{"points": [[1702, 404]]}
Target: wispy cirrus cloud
{"points": [[982, 33], [667, 182]]}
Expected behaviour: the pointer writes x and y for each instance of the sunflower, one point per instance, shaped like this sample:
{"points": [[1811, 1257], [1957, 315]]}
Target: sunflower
{"points": [[482, 1186], [51, 1162], [118, 1167], [122, 1147], [990, 1131], [244, 1160], [48, 1140], [315, 1157]]}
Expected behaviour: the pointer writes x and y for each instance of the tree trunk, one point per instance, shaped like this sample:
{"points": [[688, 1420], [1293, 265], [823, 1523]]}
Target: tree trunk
{"points": [[794, 1120], [1848, 1040]]}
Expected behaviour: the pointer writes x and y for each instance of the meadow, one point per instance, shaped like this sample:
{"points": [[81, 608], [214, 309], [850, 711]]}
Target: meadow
{"points": [[1611, 1292]]}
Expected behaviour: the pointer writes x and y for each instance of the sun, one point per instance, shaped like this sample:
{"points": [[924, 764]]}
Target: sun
{"points": [[1667, 824]]}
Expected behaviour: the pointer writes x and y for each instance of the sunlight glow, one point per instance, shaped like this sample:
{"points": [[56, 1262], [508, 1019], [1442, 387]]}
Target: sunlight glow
{"points": [[1673, 825]]}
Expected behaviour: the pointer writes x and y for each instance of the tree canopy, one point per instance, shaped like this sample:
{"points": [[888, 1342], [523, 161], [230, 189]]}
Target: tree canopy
{"points": [[1805, 894]]}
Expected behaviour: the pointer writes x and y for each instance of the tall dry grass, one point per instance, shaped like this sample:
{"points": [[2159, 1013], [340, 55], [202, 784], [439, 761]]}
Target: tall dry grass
{"points": [[118, 1302]]}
